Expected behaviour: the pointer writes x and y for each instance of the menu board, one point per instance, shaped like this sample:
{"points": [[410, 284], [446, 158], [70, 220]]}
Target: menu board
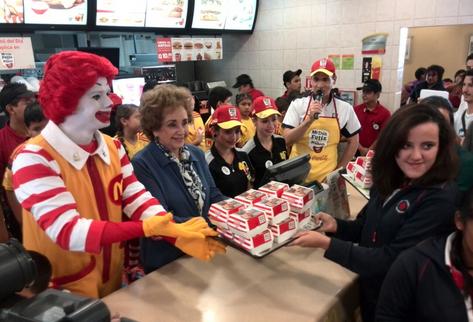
{"points": [[166, 13], [11, 11], [121, 13], [240, 14], [209, 14], [188, 49], [61, 12]]}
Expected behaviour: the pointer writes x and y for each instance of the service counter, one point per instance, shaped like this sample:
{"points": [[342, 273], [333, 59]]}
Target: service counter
{"points": [[290, 284]]}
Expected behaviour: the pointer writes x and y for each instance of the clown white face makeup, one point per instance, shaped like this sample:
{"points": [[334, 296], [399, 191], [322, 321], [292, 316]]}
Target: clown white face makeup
{"points": [[92, 113]]}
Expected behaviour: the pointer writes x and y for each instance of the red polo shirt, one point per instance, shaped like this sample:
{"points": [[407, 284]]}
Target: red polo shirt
{"points": [[254, 93], [371, 122], [9, 140]]}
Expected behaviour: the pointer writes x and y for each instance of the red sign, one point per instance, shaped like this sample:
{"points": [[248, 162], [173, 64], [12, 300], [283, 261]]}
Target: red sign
{"points": [[164, 48]]}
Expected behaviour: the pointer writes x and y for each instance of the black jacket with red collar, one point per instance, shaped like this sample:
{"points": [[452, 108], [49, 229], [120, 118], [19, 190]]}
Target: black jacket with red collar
{"points": [[419, 287], [385, 228]]}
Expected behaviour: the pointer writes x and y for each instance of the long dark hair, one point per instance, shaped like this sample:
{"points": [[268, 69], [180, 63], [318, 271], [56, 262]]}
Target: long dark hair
{"points": [[123, 111], [387, 176], [456, 252]]}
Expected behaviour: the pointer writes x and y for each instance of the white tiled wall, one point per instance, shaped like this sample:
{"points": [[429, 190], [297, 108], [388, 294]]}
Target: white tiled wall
{"points": [[291, 34]]}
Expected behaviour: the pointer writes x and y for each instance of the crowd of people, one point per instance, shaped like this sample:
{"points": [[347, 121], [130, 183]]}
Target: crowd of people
{"points": [[76, 195]]}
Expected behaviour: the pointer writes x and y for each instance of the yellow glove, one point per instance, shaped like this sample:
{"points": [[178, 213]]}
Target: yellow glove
{"points": [[203, 249], [196, 228]]}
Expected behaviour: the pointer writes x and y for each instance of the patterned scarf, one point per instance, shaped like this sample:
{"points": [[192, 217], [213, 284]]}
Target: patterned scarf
{"points": [[189, 176]]}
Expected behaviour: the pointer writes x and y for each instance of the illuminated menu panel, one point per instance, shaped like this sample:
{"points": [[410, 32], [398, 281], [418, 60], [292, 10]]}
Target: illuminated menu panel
{"points": [[209, 14], [60, 12], [11, 11], [166, 13], [240, 14], [121, 13]]}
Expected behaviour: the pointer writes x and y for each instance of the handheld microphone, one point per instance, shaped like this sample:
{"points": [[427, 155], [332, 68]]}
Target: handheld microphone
{"points": [[317, 96]]}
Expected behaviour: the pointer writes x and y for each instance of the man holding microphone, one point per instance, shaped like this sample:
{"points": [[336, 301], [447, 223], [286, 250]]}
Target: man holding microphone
{"points": [[316, 124]]}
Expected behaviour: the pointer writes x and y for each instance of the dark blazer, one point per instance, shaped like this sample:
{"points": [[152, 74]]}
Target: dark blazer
{"points": [[161, 177]]}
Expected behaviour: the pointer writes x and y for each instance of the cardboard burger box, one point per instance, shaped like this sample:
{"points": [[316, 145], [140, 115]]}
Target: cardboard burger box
{"points": [[299, 197], [225, 233], [276, 209], [274, 188], [257, 244], [250, 197], [353, 168], [364, 180], [301, 218], [284, 230], [219, 212], [247, 222]]}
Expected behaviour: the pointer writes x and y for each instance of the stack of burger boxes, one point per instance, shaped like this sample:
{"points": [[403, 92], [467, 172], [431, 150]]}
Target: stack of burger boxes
{"points": [[250, 230], [300, 201], [360, 170], [256, 219], [274, 188], [277, 211]]}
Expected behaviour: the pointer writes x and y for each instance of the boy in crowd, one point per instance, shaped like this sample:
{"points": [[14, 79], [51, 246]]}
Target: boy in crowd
{"points": [[433, 81], [244, 83], [371, 114], [293, 84], [14, 98], [35, 122]]}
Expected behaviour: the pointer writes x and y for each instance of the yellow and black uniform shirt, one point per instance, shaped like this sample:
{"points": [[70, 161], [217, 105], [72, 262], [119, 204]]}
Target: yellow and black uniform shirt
{"points": [[232, 179], [261, 159]]}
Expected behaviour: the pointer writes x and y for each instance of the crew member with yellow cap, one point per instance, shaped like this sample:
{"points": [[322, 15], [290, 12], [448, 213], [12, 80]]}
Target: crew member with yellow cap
{"points": [[265, 148], [230, 167], [316, 123]]}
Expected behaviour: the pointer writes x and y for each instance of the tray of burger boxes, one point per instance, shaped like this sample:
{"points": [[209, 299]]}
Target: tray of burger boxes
{"points": [[259, 222]]}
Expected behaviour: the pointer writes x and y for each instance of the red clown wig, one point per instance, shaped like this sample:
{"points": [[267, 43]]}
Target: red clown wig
{"points": [[68, 75]]}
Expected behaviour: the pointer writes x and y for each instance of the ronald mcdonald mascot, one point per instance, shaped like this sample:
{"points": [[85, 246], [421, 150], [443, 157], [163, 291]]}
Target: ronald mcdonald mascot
{"points": [[74, 183]]}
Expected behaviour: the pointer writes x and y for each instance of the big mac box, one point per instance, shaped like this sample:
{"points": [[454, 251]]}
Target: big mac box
{"points": [[284, 230], [225, 233], [219, 212], [257, 244], [276, 209], [274, 188], [250, 197], [299, 197], [247, 222], [301, 218]]}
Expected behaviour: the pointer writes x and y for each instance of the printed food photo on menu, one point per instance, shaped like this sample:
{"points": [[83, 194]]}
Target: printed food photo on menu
{"points": [[11, 11], [61, 12], [121, 13], [166, 13], [209, 14]]}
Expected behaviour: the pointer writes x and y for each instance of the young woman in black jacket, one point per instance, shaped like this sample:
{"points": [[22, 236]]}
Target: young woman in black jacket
{"points": [[411, 199], [433, 281]]}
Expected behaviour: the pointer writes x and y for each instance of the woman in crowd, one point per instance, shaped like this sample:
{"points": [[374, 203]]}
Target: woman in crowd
{"points": [[464, 176], [196, 127], [230, 168], [433, 281], [244, 102], [127, 120], [265, 148], [412, 198], [172, 171], [217, 96]]}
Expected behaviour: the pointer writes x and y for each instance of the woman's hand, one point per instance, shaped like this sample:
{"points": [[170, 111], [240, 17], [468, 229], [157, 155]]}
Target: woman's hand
{"points": [[311, 239], [329, 224]]}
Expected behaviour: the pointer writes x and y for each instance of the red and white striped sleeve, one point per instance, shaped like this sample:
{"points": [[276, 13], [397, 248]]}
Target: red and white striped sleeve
{"points": [[138, 204], [40, 189]]}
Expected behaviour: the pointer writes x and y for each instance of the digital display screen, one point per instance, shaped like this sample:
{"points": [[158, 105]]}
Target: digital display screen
{"points": [[57, 12], [240, 14], [166, 13], [11, 11], [129, 89], [209, 14]]}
